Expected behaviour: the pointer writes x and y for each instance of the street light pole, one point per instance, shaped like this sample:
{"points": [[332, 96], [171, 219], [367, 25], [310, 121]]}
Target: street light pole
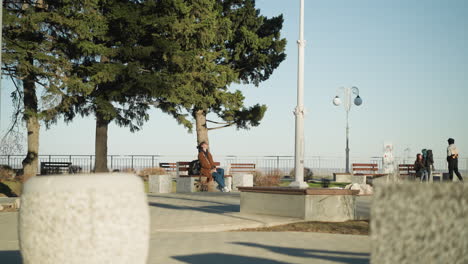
{"points": [[299, 111], [1, 48], [347, 93]]}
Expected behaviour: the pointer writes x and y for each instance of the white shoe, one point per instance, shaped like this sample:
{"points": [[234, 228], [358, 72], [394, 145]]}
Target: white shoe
{"points": [[225, 189]]}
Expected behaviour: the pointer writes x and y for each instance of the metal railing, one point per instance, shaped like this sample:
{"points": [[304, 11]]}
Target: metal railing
{"points": [[320, 165]]}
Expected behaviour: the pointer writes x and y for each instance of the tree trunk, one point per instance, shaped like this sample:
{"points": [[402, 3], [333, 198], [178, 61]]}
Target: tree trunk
{"points": [[31, 162], [202, 129], [101, 144]]}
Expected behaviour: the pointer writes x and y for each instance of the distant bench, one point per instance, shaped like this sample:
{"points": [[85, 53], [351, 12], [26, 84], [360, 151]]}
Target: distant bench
{"points": [[242, 175], [242, 168], [407, 171], [366, 170], [192, 183], [48, 168], [168, 166]]}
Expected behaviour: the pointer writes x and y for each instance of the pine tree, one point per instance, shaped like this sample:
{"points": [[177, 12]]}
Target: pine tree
{"points": [[40, 40], [214, 44]]}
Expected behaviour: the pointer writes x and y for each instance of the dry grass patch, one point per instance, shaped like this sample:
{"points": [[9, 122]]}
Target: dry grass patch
{"points": [[267, 180]]}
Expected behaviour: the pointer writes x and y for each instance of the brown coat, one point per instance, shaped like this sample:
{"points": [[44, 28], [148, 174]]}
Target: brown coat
{"points": [[207, 163]]}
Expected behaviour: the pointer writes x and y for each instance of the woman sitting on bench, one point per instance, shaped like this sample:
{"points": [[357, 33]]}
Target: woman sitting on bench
{"points": [[420, 168], [208, 168]]}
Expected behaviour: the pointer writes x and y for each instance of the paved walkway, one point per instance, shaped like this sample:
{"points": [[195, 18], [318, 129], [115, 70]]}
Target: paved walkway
{"points": [[185, 228]]}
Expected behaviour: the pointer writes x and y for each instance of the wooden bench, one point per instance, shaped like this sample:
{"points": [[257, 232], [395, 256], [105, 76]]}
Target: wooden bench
{"points": [[242, 175], [168, 167], [242, 168], [191, 183], [48, 168], [367, 170], [407, 171]]}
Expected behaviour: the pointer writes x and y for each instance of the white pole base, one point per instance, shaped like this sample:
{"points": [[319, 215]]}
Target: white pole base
{"points": [[298, 184]]}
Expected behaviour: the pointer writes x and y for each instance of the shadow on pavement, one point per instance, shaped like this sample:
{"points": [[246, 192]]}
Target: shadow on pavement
{"points": [[206, 209], [202, 195], [215, 209], [225, 259], [336, 256], [10, 257]]}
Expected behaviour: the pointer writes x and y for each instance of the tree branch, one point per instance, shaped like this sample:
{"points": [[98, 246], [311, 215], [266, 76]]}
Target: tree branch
{"points": [[220, 123], [213, 128]]}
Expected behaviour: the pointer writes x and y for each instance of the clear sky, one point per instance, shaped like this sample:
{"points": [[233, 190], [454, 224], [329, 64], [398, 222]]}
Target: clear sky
{"points": [[408, 58]]}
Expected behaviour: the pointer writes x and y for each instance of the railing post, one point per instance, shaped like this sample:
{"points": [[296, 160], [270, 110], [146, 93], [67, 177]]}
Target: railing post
{"points": [[152, 161], [90, 163], [112, 162], [9, 161], [132, 161], [277, 163], [50, 158]]}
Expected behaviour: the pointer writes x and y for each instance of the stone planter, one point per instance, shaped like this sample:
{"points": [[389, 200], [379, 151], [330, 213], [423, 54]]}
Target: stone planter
{"points": [[96, 218], [324, 205], [160, 183]]}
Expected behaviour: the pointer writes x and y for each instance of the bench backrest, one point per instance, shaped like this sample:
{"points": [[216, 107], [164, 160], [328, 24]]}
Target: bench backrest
{"points": [[182, 167], [242, 168], [406, 169], [54, 167], [55, 164], [168, 166], [368, 168]]}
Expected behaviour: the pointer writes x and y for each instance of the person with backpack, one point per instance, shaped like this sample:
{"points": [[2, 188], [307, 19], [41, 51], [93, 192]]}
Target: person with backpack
{"points": [[420, 167], [208, 167], [428, 158], [452, 160]]}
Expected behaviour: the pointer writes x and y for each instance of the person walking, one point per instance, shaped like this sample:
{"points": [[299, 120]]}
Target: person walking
{"points": [[452, 160], [208, 168], [420, 168]]}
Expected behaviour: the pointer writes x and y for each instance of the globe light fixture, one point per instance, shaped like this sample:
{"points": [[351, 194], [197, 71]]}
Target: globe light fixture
{"points": [[336, 101], [347, 93]]}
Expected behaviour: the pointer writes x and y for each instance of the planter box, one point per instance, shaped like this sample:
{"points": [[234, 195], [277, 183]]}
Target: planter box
{"points": [[160, 183], [342, 177], [94, 218], [241, 180], [329, 205]]}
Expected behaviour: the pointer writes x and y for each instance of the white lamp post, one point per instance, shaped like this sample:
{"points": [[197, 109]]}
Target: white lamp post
{"points": [[299, 111], [347, 92], [1, 27]]}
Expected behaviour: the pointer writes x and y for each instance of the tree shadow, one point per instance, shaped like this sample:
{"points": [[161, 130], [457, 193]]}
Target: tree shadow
{"points": [[11, 257], [225, 259], [330, 255], [201, 194], [5, 189], [214, 209], [227, 208]]}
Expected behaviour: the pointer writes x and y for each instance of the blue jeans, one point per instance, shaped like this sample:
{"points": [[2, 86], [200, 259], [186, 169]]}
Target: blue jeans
{"points": [[218, 176], [424, 174]]}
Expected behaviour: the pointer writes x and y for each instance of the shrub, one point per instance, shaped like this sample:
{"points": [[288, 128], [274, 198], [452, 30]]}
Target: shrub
{"points": [[268, 180], [145, 173]]}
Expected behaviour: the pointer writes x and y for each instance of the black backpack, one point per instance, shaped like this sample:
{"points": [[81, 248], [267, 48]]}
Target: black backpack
{"points": [[194, 167], [430, 157]]}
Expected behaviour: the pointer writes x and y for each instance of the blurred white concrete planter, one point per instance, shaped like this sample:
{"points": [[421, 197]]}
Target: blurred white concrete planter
{"points": [[160, 183], [95, 218]]}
